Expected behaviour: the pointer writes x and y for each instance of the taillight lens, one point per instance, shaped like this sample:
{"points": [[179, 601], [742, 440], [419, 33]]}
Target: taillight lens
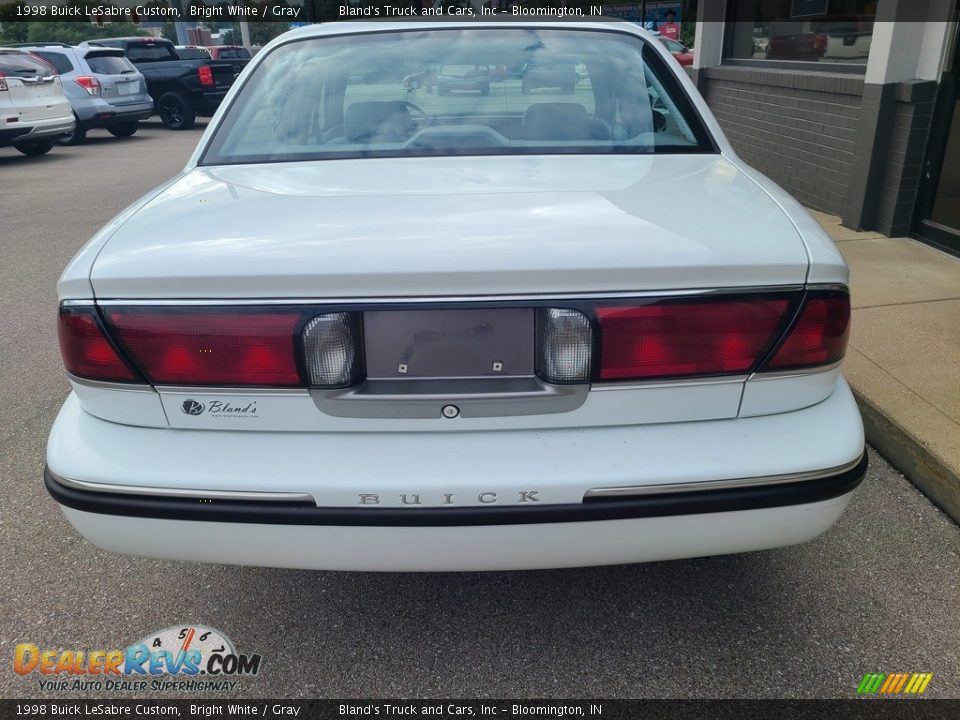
{"points": [[86, 350], [233, 348], [678, 338], [3, 82], [88, 83], [818, 336], [331, 343], [564, 346], [206, 75]]}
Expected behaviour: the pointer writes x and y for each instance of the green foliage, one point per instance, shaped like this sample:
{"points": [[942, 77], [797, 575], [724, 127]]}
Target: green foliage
{"points": [[12, 30]]}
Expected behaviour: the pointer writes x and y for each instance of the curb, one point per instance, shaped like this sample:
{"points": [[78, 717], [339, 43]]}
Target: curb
{"points": [[908, 454]]}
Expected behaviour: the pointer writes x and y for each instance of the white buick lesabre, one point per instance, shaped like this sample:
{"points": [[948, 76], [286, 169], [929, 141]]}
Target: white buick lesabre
{"points": [[543, 318]]}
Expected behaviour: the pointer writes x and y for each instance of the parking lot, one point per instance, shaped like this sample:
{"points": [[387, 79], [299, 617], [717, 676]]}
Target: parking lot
{"points": [[877, 593]]}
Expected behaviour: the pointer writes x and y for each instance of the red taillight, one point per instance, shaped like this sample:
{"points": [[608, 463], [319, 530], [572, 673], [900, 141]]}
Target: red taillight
{"points": [[206, 75], [3, 82], [819, 335], [669, 339], [88, 83], [211, 348], [86, 351]]}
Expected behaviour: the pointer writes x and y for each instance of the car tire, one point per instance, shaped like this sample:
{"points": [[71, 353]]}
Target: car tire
{"points": [[35, 147], [123, 129], [175, 112], [74, 137]]}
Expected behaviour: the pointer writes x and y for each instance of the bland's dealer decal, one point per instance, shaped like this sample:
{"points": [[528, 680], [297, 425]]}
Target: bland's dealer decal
{"points": [[219, 408], [171, 659]]}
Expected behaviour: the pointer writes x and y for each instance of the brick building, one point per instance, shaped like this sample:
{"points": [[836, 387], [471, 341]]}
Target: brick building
{"points": [[848, 104]]}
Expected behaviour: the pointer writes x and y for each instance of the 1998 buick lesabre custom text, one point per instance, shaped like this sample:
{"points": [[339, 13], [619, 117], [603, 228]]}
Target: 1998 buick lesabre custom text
{"points": [[372, 327]]}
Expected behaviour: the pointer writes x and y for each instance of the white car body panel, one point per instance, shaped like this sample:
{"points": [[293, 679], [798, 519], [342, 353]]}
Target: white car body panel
{"points": [[457, 229], [563, 224]]}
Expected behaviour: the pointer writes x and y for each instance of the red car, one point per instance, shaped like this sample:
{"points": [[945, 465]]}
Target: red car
{"points": [[680, 52]]}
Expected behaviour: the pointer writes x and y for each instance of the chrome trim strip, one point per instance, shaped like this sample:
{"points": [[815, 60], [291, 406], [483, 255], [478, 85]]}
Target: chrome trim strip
{"points": [[829, 286], [450, 298], [77, 303], [798, 372], [721, 484], [214, 390], [106, 385], [186, 493], [666, 383]]}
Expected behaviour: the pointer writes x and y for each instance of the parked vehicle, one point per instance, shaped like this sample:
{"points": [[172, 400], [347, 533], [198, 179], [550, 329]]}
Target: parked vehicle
{"points": [[470, 78], [104, 89], [795, 40], [681, 53], [353, 334], [193, 52], [554, 75], [33, 108], [237, 55], [181, 89]]}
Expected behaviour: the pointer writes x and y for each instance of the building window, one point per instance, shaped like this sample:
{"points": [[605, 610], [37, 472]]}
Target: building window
{"points": [[822, 31]]}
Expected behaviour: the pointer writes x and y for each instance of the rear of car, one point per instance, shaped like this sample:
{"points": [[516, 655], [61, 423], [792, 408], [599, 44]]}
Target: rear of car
{"points": [[398, 330], [104, 88], [33, 108]]}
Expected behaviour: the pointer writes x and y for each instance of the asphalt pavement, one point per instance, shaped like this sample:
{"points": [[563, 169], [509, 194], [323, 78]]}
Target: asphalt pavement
{"points": [[880, 592]]}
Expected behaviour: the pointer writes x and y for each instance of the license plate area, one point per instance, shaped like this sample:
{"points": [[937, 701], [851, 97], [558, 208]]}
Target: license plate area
{"points": [[422, 344]]}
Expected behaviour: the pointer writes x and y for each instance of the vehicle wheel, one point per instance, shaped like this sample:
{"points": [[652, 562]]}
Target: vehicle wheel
{"points": [[175, 112], [74, 137], [35, 147], [123, 129]]}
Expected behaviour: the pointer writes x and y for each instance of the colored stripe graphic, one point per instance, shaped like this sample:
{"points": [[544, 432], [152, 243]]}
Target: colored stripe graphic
{"points": [[894, 683]]}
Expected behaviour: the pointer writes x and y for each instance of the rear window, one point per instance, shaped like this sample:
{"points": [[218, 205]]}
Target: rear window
{"points": [[193, 53], [481, 91], [109, 64], [59, 61], [17, 64], [143, 52]]}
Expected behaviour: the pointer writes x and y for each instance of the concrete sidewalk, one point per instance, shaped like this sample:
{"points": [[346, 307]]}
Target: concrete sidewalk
{"points": [[903, 362]]}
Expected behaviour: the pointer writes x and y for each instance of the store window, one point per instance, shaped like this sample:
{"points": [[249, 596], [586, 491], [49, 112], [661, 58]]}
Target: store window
{"points": [[822, 31]]}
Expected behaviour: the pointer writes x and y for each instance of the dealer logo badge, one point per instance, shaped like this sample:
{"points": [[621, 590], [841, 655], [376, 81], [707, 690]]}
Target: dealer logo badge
{"points": [[192, 407]]}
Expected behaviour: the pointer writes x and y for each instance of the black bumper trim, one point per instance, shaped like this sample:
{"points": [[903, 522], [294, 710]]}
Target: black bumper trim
{"points": [[287, 513]]}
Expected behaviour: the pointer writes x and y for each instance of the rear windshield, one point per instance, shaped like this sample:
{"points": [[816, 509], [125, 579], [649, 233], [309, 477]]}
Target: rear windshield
{"points": [[60, 61], [110, 63], [483, 91], [142, 52], [193, 53], [18, 64], [234, 53]]}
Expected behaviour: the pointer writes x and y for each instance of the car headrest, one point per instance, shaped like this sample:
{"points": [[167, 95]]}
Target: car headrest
{"points": [[377, 121], [559, 121]]}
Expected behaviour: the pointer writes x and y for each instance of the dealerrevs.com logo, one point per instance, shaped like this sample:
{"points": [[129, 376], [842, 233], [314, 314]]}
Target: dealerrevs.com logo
{"points": [[182, 658]]}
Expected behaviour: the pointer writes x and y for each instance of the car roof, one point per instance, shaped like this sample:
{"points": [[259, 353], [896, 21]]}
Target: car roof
{"points": [[371, 26]]}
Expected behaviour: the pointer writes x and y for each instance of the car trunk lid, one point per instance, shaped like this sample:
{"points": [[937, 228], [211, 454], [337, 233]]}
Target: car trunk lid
{"points": [[431, 227]]}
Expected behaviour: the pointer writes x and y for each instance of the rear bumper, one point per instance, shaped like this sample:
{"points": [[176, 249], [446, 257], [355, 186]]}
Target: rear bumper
{"points": [[100, 113], [465, 548], [593, 509], [36, 130], [606, 495]]}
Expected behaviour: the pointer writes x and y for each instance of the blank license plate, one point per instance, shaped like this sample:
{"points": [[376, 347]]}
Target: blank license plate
{"points": [[449, 343], [128, 88]]}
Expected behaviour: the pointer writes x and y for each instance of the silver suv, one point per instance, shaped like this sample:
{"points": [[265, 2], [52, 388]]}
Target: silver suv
{"points": [[103, 87], [33, 109]]}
